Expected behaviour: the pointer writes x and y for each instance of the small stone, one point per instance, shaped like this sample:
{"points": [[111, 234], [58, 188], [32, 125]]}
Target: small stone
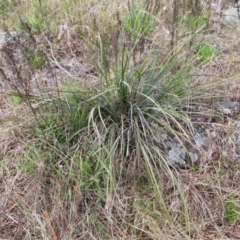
{"points": [[176, 156], [200, 140], [6, 38], [231, 16], [194, 157], [228, 107]]}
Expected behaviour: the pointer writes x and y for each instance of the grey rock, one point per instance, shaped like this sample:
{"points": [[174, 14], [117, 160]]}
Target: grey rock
{"points": [[200, 140], [176, 155], [73, 66], [227, 107], [217, 6], [6, 38], [232, 15], [194, 157]]}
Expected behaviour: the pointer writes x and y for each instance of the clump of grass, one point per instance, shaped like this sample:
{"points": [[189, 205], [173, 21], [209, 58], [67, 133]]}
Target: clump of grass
{"points": [[97, 156], [113, 133], [125, 117]]}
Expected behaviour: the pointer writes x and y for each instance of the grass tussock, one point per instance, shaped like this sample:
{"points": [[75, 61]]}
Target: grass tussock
{"points": [[101, 114]]}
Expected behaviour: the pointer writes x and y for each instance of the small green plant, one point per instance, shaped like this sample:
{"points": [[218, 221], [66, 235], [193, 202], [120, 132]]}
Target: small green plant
{"points": [[16, 99], [205, 52], [35, 59], [220, 170], [231, 210]]}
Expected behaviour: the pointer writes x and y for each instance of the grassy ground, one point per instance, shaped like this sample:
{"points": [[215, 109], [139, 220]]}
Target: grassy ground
{"points": [[86, 156]]}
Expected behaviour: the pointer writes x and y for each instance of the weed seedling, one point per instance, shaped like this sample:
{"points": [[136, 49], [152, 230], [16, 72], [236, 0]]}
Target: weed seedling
{"points": [[231, 212], [205, 52]]}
